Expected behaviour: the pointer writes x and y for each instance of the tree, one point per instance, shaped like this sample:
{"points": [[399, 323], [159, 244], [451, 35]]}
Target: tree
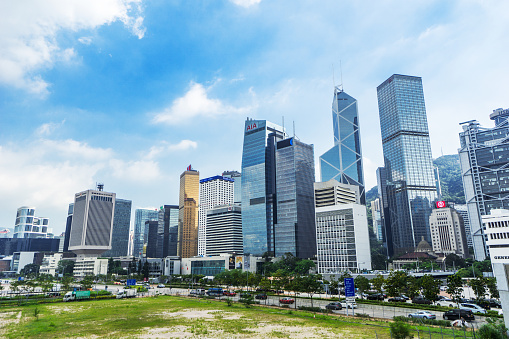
{"points": [[311, 285], [413, 287], [304, 266], [454, 260], [491, 283], [87, 282], [30, 270], [396, 282], [66, 282], [478, 285], [280, 280], [145, 270], [65, 267], [378, 283], [455, 287], [430, 287], [362, 283]]}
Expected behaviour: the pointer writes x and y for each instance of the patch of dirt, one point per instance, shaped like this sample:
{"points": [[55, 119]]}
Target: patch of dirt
{"points": [[297, 332], [66, 309], [193, 314]]}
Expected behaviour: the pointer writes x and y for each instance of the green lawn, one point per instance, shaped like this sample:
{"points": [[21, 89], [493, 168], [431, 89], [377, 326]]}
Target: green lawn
{"points": [[170, 317]]}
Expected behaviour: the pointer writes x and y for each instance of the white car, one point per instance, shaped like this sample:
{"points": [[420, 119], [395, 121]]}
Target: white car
{"points": [[350, 304], [445, 302], [472, 307]]}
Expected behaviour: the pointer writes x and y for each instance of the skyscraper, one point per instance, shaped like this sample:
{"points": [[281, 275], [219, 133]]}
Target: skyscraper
{"points": [[224, 230], [142, 215], [237, 186], [448, 231], [188, 213], [92, 222], [259, 185], [214, 191], [167, 221], [29, 226], [68, 224], [294, 228], [121, 227], [484, 161], [343, 162], [407, 156]]}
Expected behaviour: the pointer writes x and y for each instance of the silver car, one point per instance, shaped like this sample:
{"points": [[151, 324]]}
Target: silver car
{"points": [[422, 315]]}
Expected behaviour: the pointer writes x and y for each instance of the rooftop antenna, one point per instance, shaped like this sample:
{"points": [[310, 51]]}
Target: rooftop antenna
{"points": [[100, 186]]}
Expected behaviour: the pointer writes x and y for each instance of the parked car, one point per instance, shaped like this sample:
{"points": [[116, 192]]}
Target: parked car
{"points": [[261, 296], [458, 314], [286, 300], [375, 296], [397, 300], [422, 315], [350, 305], [229, 293], [494, 303], [472, 307], [161, 286], [245, 295], [334, 306], [446, 302], [404, 297], [483, 303], [421, 300]]}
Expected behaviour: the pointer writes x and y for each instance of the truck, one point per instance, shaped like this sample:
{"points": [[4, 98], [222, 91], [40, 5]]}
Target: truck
{"points": [[129, 293], [77, 295], [215, 292], [197, 292]]}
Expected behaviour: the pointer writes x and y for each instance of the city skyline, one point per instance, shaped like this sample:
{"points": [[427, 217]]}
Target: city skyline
{"points": [[130, 93]]}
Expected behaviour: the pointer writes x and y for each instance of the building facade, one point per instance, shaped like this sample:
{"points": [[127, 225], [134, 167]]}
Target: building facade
{"points": [[167, 231], [92, 222], [49, 263], [121, 227], [141, 215], [151, 248], [447, 231], [342, 236], [376, 212], [90, 266], [224, 230], [214, 191], [187, 245], [343, 162], [410, 181], [29, 226], [484, 157], [237, 185], [259, 185], [294, 228], [463, 211]]}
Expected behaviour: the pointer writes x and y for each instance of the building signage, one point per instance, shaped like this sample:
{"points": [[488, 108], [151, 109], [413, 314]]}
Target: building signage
{"points": [[441, 204], [251, 126], [349, 287]]}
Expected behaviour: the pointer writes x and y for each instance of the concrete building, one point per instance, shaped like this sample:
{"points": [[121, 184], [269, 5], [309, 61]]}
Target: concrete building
{"points": [[68, 224], [167, 231], [343, 162], [214, 191], [294, 226], [496, 228], [49, 263], [484, 157], [121, 227], [447, 231], [224, 230], [92, 222], [90, 266], [211, 266], [463, 211], [171, 266], [187, 245], [342, 236], [259, 185], [21, 259], [29, 226], [410, 181], [140, 239], [237, 185], [8, 246], [376, 213]]}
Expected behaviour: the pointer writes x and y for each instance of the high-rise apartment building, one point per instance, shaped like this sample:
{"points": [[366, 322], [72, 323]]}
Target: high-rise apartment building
{"points": [[141, 215], [259, 185], [342, 236], [224, 230], [92, 222], [343, 162], [121, 227], [294, 228], [410, 181], [188, 213], [237, 185], [214, 191], [29, 226], [447, 231], [484, 158]]}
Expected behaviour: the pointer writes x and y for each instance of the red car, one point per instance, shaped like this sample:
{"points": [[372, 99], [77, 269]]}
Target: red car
{"points": [[286, 301], [229, 293]]}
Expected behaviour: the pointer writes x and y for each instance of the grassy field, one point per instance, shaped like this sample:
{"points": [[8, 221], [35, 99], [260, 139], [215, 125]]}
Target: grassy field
{"points": [[176, 317]]}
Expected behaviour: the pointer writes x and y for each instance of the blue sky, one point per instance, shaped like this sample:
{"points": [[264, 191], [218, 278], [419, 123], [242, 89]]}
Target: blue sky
{"points": [[130, 92]]}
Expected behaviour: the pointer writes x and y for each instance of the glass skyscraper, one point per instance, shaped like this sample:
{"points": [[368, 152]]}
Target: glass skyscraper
{"points": [[259, 185], [121, 226], [343, 162], [408, 162], [142, 215], [484, 161], [295, 175]]}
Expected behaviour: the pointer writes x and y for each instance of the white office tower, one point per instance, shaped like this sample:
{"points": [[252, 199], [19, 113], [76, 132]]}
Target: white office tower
{"points": [[447, 231], [214, 191], [342, 236], [92, 222], [224, 230], [463, 211], [237, 188], [496, 229], [30, 226]]}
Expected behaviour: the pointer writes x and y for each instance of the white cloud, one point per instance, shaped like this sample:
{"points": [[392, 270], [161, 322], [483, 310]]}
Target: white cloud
{"points": [[48, 128], [246, 3], [183, 145], [85, 40], [29, 32], [196, 103], [135, 171]]}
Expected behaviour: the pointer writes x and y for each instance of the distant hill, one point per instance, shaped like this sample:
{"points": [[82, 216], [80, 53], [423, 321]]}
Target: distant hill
{"points": [[450, 178], [371, 195]]}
